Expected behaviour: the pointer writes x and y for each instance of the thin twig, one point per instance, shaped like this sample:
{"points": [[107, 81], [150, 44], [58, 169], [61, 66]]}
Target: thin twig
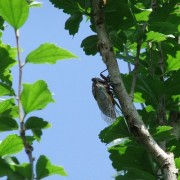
{"points": [[27, 146], [135, 71], [127, 56]]}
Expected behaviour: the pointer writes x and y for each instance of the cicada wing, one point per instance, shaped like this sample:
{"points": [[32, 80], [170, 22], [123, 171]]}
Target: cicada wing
{"points": [[105, 103]]}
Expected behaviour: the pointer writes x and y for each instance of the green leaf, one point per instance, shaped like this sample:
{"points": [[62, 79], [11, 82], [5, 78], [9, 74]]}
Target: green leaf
{"points": [[6, 90], [12, 144], [177, 162], [135, 173], [48, 53], [72, 24], [89, 45], [35, 96], [6, 105], [162, 133], [130, 155], [44, 168], [156, 36], [6, 61], [8, 108], [143, 16], [15, 12], [172, 84], [35, 124], [117, 130], [173, 62], [150, 88], [24, 170], [68, 6], [138, 97], [7, 124]]}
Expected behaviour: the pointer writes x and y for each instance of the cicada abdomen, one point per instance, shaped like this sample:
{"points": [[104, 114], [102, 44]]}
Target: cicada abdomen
{"points": [[104, 97]]}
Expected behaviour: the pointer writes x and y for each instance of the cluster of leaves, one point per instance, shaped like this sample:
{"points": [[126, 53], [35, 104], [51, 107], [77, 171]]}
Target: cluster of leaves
{"points": [[33, 97], [145, 34]]}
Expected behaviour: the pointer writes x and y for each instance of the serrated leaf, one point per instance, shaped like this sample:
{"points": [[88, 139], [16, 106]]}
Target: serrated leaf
{"points": [[89, 45], [8, 108], [135, 173], [48, 53], [68, 6], [24, 170], [7, 124], [6, 62], [72, 24], [6, 105], [35, 124], [173, 63], [162, 133], [131, 155], [155, 36], [35, 96], [44, 168], [172, 84], [143, 16], [12, 144], [5, 168], [138, 97], [117, 130], [15, 12], [6, 90]]}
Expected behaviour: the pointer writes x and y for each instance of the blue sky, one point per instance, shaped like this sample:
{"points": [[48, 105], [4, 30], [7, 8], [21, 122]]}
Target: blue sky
{"points": [[72, 141]]}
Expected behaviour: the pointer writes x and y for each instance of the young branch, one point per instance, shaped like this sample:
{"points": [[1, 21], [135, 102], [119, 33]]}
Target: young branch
{"points": [[135, 71], [27, 146], [133, 119]]}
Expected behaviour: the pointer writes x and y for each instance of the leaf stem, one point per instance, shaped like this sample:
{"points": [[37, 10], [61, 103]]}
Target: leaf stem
{"points": [[27, 146]]}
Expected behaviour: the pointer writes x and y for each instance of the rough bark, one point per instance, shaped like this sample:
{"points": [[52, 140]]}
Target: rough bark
{"points": [[135, 123]]}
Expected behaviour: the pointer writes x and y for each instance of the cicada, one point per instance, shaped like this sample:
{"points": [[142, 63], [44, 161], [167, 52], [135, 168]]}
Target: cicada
{"points": [[103, 94]]}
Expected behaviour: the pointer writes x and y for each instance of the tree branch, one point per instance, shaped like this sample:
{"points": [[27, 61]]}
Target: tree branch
{"points": [[27, 146], [133, 119]]}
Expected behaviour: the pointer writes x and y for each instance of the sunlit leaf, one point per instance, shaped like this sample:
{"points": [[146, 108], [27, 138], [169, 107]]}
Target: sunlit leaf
{"points": [[35, 96], [6, 90], [163, 133], [23, 169], [44, 168], [173, 62], [12, 144], [48, 53], [7, 61], [8, 108], [177, 162], [15, 12], [155, 36]]}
